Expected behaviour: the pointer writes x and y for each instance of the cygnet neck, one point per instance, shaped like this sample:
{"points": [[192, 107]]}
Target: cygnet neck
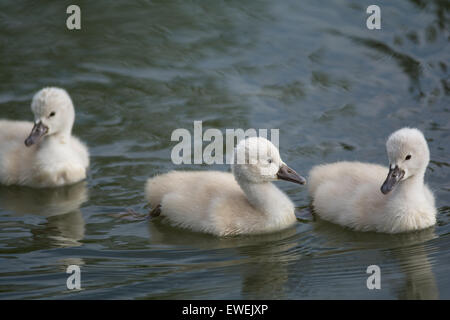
{"points": [[62, 137], [263, 196], [412, 187]]}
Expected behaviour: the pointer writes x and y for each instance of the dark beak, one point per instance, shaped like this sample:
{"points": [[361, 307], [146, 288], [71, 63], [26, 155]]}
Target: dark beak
{"points": [[286, 173], [394, 176], [36, 133]]}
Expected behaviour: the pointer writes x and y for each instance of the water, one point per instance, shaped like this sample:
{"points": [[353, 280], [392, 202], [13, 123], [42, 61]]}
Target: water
{"points": [[138, 70]]}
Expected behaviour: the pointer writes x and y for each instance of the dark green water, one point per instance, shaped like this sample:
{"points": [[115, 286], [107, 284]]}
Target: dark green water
{"points": [[138, 70]]}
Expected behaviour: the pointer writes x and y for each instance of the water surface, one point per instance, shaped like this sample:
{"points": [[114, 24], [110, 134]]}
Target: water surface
{"points": [[137, 70]]}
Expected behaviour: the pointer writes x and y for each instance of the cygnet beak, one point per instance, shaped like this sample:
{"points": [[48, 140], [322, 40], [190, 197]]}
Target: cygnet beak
{"points": [[286, 173], [394, 176], [36, 133]]}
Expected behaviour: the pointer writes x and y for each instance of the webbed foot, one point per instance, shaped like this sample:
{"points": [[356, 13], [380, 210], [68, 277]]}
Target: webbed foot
{"points": [[156, 211]]}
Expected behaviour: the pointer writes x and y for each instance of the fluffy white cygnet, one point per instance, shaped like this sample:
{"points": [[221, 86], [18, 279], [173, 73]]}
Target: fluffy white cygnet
{"points": [[348, 193], [43, 154], [242, 202]]}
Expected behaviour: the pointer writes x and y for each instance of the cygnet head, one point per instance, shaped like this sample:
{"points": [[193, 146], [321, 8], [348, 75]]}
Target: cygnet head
{"points": [[257, 160], [408, 155], [53, 114]]}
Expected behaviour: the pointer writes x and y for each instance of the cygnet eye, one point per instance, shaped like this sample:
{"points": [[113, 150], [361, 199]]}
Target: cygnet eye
{"points": [[408, 157], [52, 114], [269, 161]]}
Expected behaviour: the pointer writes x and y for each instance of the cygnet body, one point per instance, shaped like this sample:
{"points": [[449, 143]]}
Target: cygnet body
{"points": [[43, 154], [348, 193], [223, 204]]}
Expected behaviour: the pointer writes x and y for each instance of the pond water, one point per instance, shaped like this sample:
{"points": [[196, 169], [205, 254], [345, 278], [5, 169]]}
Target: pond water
{"points": [[137, 70]]}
